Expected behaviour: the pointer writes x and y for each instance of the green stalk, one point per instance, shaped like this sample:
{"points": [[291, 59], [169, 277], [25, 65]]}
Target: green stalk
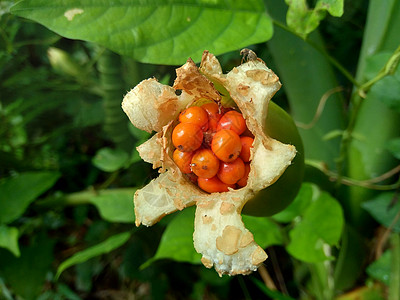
{"points": [[321, 280], [80, 198], [366, 156], [394, 286], [113, 87]]}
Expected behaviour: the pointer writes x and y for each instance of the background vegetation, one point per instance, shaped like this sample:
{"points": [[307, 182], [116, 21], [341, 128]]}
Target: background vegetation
{"points": [[68, 168]]}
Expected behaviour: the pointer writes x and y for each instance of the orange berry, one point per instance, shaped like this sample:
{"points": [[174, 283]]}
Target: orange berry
{"points": [[247, 143], [243, 181], [232, 120], [214, 115], [226, 145], [187, 137], [195, 115], [204, 163], [232, 172], [183, 160], [213, 185]]}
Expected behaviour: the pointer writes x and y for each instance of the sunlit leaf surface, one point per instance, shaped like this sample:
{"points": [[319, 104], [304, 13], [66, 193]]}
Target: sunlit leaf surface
{"points": [[179, 29]]}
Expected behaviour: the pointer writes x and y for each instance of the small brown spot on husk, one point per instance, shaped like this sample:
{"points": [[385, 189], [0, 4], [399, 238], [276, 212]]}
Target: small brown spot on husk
{"points": [[246, 239], [206, 262], [207, 219], [258, 256], [226, 208], [228, 242]]}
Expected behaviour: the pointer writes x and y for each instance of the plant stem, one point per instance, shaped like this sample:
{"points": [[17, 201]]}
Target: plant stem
{"points": [[115, 121], [357, 100], [394, 287], [389, 69], [80, 198], [368, 184]]}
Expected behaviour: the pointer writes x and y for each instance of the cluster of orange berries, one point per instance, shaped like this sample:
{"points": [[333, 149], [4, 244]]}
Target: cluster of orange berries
{"points": [[213, 147]]}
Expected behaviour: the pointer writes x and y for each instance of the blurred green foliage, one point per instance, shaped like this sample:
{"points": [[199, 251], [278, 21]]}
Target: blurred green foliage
{"points": [[69, 168]]}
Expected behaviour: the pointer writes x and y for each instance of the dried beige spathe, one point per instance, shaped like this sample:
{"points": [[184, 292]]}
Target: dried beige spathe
{"points": [[220, 235]]}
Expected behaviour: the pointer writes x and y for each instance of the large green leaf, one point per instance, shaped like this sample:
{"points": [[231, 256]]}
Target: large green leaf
{"points": [[307, 76], [385, 209], [321, 224], [9, 239], [388, 90], [272, 294], [368, 157], [381, 31], [115, 207], [155, 31], [177, 240], [110, 160], [351, 259], [368, 153], [298, 206], [394, 147], [27, 273], [380, 268], [104, 247], [16, 193], [266, 233]]}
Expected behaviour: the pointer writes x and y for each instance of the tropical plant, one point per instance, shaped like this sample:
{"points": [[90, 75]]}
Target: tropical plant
{"points": [[69, 167]]}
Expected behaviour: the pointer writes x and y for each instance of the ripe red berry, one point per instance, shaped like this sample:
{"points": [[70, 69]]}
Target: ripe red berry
{"points": [[187, 137], [247, 143], [243, 181], [204, 163], [195, 115], [213, 185], [232, 120], [183, 160], [226, 145], [232, 172], [214, 115]]}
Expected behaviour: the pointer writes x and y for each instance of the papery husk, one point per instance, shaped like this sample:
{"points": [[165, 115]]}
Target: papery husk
{"points": [[220, 235]]}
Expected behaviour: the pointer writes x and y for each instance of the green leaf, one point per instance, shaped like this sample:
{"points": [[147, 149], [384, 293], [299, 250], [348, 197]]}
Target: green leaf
{"points": [[65, 291], [380, 269], [270, 293], [394, 287], [177, 240], [16, 193], [298, 206], [266, 233], [140, 135], [374, 63], [110, 160], [155, 31], [394, 147], [108, 245], [386, 89], [304, 20], [385, 209], [9, 239], [304, 90], [368, 158], [321, 225], [27, 273], [350, 259], [380, 31], [115, 207]]}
